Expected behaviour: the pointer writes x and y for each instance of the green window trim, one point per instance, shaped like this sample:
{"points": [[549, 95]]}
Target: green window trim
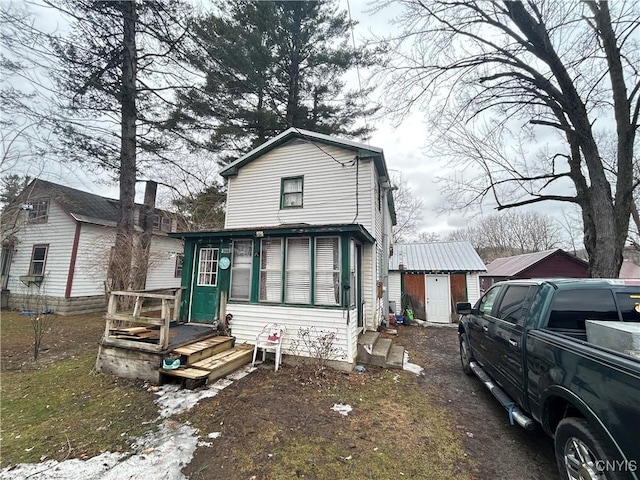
{"points": [[291, 194]]}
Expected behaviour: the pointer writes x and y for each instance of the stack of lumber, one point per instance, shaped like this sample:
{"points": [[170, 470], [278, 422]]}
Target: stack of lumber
{"points": [[135, 333]]}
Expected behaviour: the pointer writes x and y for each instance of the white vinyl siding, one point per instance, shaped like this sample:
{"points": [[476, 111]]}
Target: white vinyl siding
{"points": [[163, 256], [271, 270], [248, 320], [327, 271], [395, 290], [329, 188], [58, 232], [298, 271], [241, 269], [473, 287]]}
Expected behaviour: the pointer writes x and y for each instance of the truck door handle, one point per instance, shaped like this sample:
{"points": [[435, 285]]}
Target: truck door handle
{"points": [[485, 328], [513, 343]]}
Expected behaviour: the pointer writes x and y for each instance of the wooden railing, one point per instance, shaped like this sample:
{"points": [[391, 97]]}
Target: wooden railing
{"points": [[125, 312]]}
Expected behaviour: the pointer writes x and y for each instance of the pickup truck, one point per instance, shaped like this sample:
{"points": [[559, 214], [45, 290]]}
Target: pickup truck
{"points": [[526, 341]]}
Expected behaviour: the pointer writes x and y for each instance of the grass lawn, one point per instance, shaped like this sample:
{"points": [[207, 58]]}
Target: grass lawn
{"points": [[273, 425]]}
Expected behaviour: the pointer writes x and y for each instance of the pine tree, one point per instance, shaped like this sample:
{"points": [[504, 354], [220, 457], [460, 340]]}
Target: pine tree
{"points": [[268, 66]]}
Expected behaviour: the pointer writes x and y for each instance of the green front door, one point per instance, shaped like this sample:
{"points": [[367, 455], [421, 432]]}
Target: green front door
{"points": [[206, 281]]}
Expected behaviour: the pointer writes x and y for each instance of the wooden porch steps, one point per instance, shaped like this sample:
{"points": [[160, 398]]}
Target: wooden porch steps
{"points": [[208, 361], [374, 350], [194, 352]]}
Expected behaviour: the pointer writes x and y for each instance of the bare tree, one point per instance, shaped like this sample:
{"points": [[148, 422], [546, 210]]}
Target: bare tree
{"points": [[427, 237], [408, 209], [531, 68], [511, 233]]}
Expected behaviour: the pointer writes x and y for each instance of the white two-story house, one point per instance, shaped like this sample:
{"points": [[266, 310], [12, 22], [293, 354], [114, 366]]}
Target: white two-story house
{"points": [[57, 242], [305, 243]]}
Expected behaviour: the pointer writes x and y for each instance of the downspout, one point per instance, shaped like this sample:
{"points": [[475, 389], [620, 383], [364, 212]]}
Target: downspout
{"points": [[386, 186]]}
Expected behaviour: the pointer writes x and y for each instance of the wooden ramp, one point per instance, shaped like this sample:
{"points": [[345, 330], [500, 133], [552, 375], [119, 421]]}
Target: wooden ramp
{"points": [[208, 360]]}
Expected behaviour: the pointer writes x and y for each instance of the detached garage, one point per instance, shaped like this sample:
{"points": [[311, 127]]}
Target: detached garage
{"points": [[429, 278]]}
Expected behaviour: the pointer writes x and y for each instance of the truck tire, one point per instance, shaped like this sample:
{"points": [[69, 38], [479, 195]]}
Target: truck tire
{"points": [[582, 454], [466, 357]]}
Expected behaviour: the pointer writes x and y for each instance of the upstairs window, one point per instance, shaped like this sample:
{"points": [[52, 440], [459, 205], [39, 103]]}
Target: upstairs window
{"points": [[38, 259], [40, 212], [161, 223], [291, 192]]}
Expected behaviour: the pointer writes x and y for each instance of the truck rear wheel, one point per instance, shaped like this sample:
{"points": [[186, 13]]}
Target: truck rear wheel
{"points": [[466, 357], [581, 453]]}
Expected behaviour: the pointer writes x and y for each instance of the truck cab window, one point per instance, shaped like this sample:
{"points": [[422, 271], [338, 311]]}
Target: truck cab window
{"points": [[629, 304], [486, 303], [512, 303], [571, 308]]}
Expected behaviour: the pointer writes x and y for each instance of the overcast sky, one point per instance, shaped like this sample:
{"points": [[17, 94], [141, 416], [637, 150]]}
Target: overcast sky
{"points": [[405, 146]]}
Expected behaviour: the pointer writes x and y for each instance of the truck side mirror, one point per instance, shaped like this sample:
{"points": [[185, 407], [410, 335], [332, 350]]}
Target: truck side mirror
{"points": [[463, 308]]}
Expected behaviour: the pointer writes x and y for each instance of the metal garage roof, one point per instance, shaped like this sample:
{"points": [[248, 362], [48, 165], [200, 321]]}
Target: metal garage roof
{"points": [[436, 257]]}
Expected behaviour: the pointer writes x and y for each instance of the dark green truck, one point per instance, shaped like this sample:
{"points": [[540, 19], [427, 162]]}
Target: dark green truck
{"points": [[527, 342]]}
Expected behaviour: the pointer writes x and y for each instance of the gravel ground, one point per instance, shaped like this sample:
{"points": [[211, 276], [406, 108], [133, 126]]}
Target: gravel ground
{"points": [[501, 451]]}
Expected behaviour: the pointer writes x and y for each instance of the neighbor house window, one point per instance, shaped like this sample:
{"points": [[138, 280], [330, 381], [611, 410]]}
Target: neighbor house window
{"points": [[208, 267], [179, 264], [291, 192], [271, 270], [40, 212], [38, 259], [241, 269], [298, 271], [327, 271], [161, 223]]}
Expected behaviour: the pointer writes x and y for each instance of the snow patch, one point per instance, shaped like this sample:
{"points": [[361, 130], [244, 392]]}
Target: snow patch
{"points": [[411, 367], [342, 409]]}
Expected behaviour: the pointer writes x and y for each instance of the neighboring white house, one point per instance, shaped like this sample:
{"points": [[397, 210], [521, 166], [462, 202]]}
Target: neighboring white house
{"points": [[429, 278], [57, 242], [305, 243]]}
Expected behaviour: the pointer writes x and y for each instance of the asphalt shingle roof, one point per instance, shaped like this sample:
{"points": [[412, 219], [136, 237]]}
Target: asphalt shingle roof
{"points": [[83, 206], [436, 257]]}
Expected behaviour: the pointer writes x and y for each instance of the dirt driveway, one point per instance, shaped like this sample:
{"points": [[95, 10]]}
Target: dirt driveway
{"points": [[501, 451], [425, 418]]}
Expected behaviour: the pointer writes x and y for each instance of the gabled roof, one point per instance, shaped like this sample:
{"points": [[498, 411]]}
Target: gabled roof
{"points": [[81, 206], [360, 149], [436, 257], [510, 266]]}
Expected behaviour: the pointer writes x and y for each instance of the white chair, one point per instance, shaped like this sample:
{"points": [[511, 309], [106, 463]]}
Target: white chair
{"points": [[270, 338]]}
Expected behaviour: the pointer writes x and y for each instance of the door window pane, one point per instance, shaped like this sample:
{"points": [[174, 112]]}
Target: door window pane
{"points": [[208, 267], [512, 303], [486, 302]]}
